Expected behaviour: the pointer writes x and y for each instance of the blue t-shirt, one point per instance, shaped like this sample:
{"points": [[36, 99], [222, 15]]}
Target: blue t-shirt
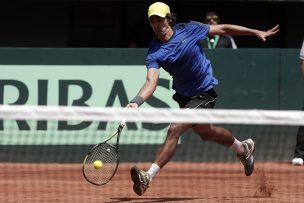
{"points": [[183, 58]]}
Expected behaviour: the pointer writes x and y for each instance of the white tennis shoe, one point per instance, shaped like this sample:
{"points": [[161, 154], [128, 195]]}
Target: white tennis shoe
{"points": [[297, 161], [247, 158]]}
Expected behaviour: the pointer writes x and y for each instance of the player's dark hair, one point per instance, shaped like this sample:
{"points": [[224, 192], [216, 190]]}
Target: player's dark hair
{"points": [[171, 18]]}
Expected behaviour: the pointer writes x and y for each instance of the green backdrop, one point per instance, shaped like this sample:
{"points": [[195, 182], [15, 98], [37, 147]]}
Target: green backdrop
{"points": [[248, 79]]}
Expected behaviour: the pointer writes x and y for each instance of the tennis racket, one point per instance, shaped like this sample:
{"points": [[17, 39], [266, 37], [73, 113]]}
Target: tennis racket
{"points": [[101, 162]]}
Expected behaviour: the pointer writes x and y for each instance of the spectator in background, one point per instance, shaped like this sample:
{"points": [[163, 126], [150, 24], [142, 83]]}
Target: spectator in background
{"points": [[299, 150], [216, 41]]}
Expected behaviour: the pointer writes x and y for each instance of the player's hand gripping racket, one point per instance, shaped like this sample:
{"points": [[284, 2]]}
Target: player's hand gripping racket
{"points": [[101, 162]]}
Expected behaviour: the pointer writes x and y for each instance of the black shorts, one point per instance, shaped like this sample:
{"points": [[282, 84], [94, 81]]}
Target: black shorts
{"points": [[205, 99]]}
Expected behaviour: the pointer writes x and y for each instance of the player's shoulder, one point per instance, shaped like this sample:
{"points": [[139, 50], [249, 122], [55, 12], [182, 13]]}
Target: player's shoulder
{"points": [[154, 45], [154, 48], [189, 25], [180, 26], [197, 24]]}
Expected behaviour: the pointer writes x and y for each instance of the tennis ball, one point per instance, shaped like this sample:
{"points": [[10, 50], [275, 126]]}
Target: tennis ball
{"points": [[97, 164]]}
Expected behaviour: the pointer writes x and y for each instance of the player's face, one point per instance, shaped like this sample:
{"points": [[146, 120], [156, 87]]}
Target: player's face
{"points": [[160, 26]]}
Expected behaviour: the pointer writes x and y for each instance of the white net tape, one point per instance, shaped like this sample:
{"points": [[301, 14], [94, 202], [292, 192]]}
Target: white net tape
{"points": [[153, 115]]}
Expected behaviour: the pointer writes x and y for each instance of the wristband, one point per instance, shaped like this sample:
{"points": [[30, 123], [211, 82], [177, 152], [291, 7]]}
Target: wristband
{"points": [[138, 100]]}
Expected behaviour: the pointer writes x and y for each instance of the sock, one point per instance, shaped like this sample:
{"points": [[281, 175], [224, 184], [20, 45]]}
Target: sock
{"points": [[237, 146], [154, 169]]}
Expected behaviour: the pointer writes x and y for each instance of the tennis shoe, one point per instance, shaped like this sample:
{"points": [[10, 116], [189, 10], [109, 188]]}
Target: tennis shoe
{"points": [[140, 179], [247, 158], [297, 161]]}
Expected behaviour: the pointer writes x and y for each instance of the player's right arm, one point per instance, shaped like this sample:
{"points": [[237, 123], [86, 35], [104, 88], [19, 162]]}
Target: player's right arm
{"points": [[229, 29], [147, 89]]}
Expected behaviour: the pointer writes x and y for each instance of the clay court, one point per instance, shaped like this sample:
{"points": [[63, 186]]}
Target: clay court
{"points": [[178, 182]]}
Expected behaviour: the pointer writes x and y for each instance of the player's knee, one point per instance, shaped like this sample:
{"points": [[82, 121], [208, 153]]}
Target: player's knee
{"points": [[206, 132], [175, 130], [205, 137]]}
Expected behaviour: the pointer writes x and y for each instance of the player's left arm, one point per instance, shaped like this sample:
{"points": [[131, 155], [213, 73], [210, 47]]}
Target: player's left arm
{"points": [[229, 29], [150, 85], [147, 89]]}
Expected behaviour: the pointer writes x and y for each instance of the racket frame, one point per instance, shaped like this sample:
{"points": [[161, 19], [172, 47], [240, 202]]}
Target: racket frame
{"points": [[117, 133]]}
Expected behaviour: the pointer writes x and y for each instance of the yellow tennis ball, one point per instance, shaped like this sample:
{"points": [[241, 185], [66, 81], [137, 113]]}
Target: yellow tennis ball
{"points": [[97, 164]]}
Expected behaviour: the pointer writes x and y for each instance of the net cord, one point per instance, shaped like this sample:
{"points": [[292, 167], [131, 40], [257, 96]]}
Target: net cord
{"points": [[153, 115]]}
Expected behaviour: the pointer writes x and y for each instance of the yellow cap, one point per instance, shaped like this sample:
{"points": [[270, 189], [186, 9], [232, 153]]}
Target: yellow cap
{"points": [[159, 9]]}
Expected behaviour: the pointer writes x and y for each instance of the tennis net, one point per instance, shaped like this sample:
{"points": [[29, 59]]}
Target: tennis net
{"points": [[42, 149]]}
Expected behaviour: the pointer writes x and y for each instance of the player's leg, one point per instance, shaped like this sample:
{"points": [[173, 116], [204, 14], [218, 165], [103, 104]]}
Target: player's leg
{"points": [[220, 135], [142, 179], [167, 150], [214, 133]]}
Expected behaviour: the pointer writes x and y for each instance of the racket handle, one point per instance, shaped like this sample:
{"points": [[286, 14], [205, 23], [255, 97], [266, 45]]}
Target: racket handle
{"points": [[122, 123]]}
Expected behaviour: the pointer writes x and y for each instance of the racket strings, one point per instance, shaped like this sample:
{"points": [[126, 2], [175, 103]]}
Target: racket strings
{"points": [[107, 154]]}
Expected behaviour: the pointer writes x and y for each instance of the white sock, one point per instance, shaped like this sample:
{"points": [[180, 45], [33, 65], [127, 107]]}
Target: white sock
{"points": [[154, 169], [237, 146]]}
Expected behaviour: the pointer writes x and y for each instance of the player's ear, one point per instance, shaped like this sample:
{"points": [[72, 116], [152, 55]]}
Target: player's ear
{"points": [[168, 17], [170, 21]]}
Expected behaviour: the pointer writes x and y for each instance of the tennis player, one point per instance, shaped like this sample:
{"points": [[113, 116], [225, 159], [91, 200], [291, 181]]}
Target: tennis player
{"points": [[176, 49]]}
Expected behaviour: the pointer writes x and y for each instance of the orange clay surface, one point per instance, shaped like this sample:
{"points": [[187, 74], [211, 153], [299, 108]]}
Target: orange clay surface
{"points": [[177, 182]]}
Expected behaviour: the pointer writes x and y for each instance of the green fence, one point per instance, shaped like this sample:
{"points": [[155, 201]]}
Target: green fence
{"points": [[248, 79]]}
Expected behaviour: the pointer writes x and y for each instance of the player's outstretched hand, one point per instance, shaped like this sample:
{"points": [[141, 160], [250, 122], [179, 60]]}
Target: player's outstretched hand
{"points": [[264, 34]]}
